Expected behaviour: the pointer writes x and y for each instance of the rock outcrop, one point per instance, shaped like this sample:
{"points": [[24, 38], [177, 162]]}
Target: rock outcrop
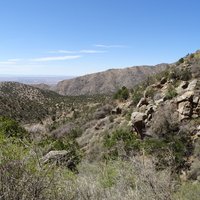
{"points": [[137, 120]]}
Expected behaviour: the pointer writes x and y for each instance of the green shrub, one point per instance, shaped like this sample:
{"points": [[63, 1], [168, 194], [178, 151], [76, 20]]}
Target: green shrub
{"points": [[171, 92], [185, 75], [122, 94], [168, 151], [162, 74], [150, 92], [137, 94], [192, 55], [11, 128], [120, 137], [180, 74], [68, 143], [181, 60]]}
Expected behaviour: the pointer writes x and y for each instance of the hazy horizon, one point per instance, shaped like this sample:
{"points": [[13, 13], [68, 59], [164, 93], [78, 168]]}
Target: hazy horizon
{"points": [[48, 80]]}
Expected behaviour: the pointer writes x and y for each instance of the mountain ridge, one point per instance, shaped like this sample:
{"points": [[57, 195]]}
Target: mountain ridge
{"points": [[108, 81]]}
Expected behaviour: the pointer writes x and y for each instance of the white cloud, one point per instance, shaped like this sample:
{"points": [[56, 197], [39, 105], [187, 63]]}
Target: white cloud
{"points": [[10, 61], [15, 60], [7, 62], [55, 58], [91, 51], [63, 51], [83, 51], [109, 46]]}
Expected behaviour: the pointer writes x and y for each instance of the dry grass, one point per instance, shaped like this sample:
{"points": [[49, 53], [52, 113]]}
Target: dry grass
{"points": [[24, 177], [123, 180]]}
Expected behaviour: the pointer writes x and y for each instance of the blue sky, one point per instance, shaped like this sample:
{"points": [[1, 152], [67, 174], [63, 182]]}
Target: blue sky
{"points": [[76, 37]]}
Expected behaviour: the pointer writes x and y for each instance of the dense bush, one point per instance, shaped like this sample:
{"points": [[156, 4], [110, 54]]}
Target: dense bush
{"points": [[170, 93], [185, 75], [137, 94], [181, 60], [122, 94], [67, 143], [11, 128], [180, 74], [162, 74], [150, 92], [120, 140], [175, 140], [170, 143]]}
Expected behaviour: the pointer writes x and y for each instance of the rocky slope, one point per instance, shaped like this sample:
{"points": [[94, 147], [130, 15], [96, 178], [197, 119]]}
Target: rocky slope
{"points": [[107, 82], [165, 122]]}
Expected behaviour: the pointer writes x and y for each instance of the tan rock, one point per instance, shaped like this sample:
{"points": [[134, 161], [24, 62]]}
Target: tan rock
{"points": [[142, 109], [196, 99], [143, 101], [182, 87], [194, 116], [192, 85], [62, 158], [138, 123], [185, 108], [159, 101], [138, 116], [55, 156], [187, 96]]}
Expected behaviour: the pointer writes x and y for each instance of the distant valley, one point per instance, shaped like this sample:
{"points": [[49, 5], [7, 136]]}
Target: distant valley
{"points": [[49, 80]]}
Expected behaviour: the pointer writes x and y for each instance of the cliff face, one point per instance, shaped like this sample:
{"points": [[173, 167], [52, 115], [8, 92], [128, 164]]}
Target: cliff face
{"points": [[107, 82]]}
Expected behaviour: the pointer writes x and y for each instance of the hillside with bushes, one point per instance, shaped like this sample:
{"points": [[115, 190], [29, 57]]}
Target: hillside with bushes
{"points": [[143, 142]]}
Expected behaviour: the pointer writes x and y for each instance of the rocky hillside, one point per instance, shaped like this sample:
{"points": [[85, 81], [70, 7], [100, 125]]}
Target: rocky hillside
{"points": [[107, 82], [161, 118]]}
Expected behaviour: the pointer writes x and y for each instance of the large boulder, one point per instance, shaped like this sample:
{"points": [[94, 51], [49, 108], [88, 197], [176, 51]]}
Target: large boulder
{"points": [[143, 101], [192, 85], [137, 120], [188, 103], [103, 112], [187, 96], [182, 87], [163, 80], [61, 158], [185, 110], [137, 116]]}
